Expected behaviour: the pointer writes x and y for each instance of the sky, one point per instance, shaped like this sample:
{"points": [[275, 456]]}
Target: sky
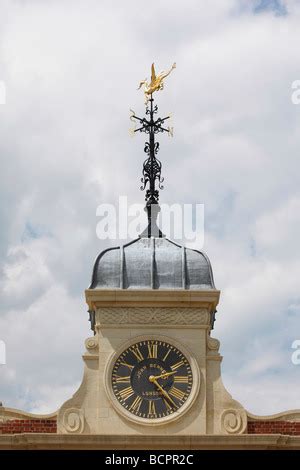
{"points": [[71, 71]]}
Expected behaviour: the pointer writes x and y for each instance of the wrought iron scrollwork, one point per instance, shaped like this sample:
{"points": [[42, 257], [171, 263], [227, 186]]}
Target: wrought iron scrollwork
{"points": [[152, 170], [152, 166]]}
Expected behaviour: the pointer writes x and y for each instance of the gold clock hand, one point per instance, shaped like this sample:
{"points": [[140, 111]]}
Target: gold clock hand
{"points": [[163, 391], [166, 374]]}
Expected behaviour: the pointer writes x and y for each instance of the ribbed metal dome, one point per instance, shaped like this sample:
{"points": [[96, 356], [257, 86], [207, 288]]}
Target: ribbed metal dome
{"points": [[152, 263]]}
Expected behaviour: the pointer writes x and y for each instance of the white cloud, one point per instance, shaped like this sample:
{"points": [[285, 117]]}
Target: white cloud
{"points": [[276, 231], [42, 342], [71, 76]]}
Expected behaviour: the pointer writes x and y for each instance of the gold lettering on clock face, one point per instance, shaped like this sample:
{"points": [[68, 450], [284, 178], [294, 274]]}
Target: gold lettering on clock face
{"points": [[152, 379]]}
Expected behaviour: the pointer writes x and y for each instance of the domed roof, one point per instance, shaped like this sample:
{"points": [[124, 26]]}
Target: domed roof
{"points": [[152, 263]]}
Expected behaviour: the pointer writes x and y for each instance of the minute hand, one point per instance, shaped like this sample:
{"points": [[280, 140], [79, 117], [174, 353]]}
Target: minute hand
{"points": [[166, 374], [164, 392]]}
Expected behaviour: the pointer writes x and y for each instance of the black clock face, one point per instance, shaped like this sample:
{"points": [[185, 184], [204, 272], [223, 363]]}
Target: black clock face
{"points": [[152, 379]]}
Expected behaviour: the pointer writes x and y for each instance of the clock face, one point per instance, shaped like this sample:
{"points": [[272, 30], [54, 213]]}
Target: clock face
{"points": [[152, 379]]}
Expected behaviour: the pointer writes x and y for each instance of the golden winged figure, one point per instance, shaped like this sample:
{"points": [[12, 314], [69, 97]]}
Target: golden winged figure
{"points": [[156, 81]]}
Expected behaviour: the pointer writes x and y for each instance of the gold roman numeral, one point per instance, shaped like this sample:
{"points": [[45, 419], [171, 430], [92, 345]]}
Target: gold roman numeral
{"points": [[152, 410], [137, 353], [168, 406], [181, 379], [121, 379], [177, 365], [175, 392], [127, 365], [136, 404], [168, 352], [152, 350], [126, 393]]}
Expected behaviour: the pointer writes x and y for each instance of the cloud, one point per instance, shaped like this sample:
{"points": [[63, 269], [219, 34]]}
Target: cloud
{"points": [[42, 342], [277, 7], [71, 76]]}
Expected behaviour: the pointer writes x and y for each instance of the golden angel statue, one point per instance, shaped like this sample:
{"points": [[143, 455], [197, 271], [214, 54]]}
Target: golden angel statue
{"points": [[156, 82]]}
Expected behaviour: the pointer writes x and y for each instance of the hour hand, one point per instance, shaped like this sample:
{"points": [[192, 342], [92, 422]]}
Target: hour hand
{"points": [[163, 391]]}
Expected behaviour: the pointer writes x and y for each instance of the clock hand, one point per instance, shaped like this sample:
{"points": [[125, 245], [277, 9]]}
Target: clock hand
{"points": [[163, 391], [166, 374]]}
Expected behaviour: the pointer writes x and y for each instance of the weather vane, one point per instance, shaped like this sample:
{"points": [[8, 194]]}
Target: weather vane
{"points": [[151, 125]]}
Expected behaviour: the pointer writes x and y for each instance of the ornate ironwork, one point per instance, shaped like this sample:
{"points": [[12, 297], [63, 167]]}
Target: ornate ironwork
{"points": [[152, 166], [152, 125]]}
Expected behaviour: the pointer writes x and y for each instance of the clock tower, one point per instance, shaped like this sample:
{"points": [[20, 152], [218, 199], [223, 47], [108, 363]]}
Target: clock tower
{"points": [[152, 370], [152, 366]]}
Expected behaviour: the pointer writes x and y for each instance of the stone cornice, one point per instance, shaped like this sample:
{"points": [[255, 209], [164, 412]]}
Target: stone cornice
{"points": [[290, 415], [12, 413], [152, 298], [150, 442]]}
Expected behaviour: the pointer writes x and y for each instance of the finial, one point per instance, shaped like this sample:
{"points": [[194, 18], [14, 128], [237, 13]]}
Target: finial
{"points": [[152, 125], [157, 82]]}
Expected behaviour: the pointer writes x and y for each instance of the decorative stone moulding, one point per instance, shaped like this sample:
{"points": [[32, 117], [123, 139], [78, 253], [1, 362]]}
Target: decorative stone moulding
{"points": [[73, 421], [234, 421], [117, 316]]}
